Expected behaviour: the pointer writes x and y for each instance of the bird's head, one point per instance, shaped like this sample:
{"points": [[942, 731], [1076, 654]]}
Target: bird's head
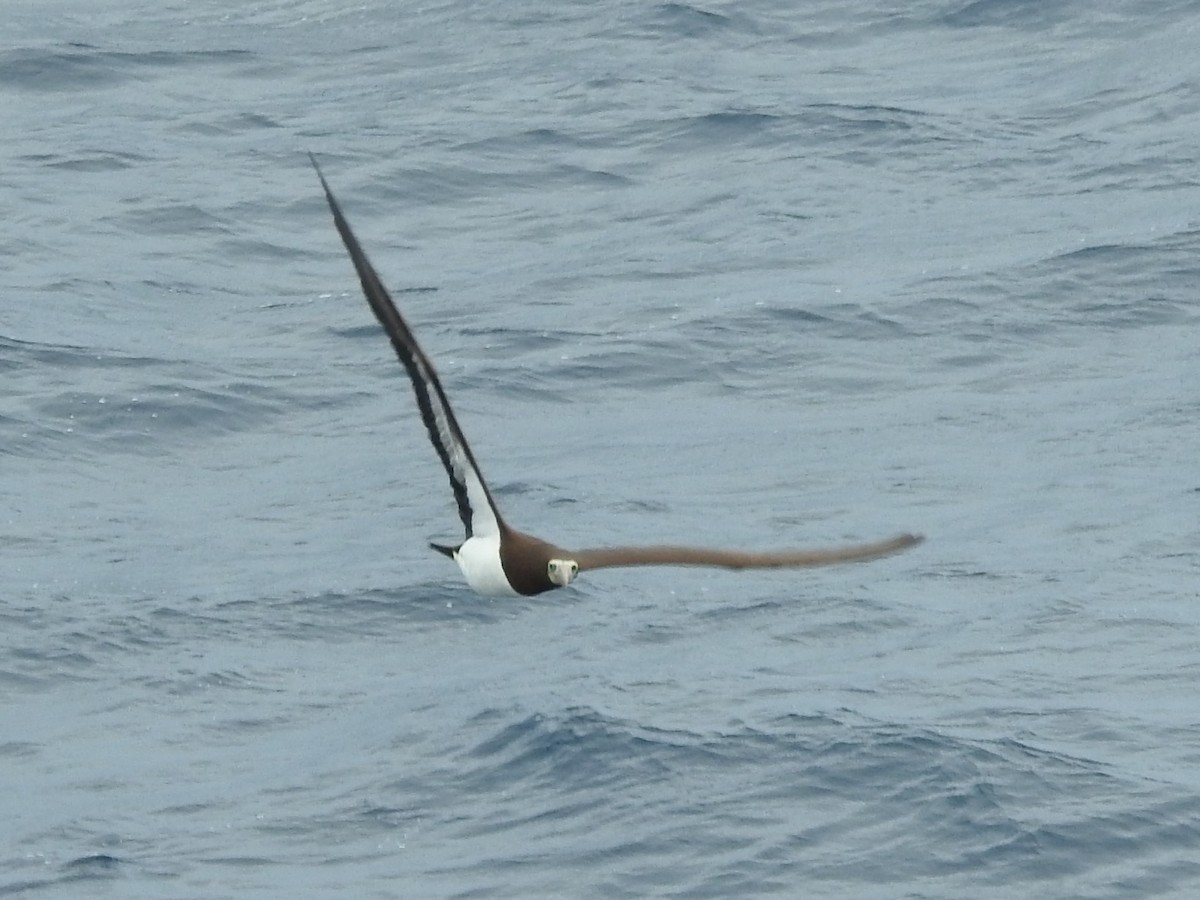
{"points": [[562, 571]]}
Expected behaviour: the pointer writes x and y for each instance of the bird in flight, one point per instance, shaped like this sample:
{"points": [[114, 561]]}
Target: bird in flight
{"points": [[495, 558]]}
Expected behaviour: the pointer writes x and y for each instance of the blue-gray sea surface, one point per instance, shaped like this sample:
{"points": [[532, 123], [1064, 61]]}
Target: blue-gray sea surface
{"points": [[741, 274]]}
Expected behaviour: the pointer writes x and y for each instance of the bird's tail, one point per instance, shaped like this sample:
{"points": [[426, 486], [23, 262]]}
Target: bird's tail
{"points": [[442, 548]]}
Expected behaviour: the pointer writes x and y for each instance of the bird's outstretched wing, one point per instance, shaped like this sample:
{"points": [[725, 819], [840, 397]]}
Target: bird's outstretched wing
{"points": [[475, 505], [608, 557]]}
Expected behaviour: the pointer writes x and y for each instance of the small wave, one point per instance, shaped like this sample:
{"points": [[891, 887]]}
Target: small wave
{"points": [[1017, 14], [335, 615], [73, 67], [93, 864], [688, 21], [927, 803]]}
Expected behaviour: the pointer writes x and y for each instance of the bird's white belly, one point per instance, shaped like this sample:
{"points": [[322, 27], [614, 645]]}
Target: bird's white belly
{"points": [[479, 559]]}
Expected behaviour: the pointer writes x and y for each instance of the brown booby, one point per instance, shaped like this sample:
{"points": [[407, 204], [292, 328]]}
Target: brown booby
{"points": [[498, 560]]}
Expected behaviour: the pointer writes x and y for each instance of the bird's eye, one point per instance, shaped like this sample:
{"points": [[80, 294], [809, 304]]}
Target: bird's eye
{"points": [[553, 567]]}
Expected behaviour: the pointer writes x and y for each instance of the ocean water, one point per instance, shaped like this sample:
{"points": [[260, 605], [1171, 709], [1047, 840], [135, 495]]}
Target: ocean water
{"points": [[738, 274]]}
